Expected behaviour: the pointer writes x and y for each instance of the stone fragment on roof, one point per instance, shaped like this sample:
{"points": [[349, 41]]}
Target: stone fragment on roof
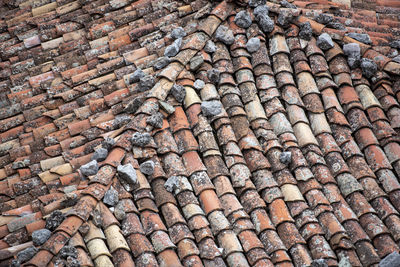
{"points": [[120, 120], [287, 4], [97, 218], [100, 154], [210, 47], [137, 75], [335, 24], [108, 143], [178, 92], [285, 157], [266, 23], [196, 62], [353, 53], [243, 19], [68, 251], [391, 260], [115, 4], [361, 37], [199, 84], [261, 10], [253, 44], [119, 211], [128, 174], [213, 75], [55, 219], [166, 107], [173, 49], [26, 254], [393, 53], [177, 184], [396, 59], [39, 237], [20, 164], [211, 108], [140, 139], [225, 35], [84, 228], [70, 198], [319, 263], [147, 167], [90, 168], [368, 67], [305, 31], [111, 197], [255, 3], [324, 18], [161, 63], [134, 104], [155, 120], [395, 44], [325, 42], [285, 17], [344, 262], [178, 32], [146, 83]]}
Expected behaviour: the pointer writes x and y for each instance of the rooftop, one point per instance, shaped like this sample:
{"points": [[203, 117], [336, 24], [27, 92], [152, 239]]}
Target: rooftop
{"points": [[199, 133]]}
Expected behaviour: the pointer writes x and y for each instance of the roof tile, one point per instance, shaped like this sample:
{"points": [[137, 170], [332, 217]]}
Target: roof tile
{"points": [[95, 68]]}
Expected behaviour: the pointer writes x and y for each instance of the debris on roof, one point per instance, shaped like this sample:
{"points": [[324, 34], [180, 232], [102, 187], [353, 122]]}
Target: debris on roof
{"points": [[199, 133]]}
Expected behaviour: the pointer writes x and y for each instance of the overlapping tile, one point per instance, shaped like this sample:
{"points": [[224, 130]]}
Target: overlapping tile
{"points": [[296, 161]]}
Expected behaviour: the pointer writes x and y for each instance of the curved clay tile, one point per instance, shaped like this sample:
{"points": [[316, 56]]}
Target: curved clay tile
{"points": [[230, 146]]}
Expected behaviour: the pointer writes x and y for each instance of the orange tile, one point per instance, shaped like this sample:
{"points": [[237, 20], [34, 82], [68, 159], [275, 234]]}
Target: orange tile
{"points": [[74, 71], [78, 127], [99, 30], [55, 242], [187, 247], [116, 96], [70, 225], [141, 31], [193, 162], [178, 120], [186, 140], [222, 10], [210, 201], [169, 258], [115, 157], [37, 225], [3, 231], [249, 240], [151, 222], [106, 215], [36, 80], [119, 42], [3, 244], [19, 211], [41, 259], [193, 114], [139, 244], [193, 260], [279, 212]]}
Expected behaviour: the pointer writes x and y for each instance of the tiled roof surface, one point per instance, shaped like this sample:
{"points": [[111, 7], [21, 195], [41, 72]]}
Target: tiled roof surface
{"points": [[297, 160]]}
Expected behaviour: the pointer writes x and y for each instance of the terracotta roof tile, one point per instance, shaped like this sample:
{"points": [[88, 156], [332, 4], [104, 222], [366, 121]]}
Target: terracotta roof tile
{"points": [[67, 79]]}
